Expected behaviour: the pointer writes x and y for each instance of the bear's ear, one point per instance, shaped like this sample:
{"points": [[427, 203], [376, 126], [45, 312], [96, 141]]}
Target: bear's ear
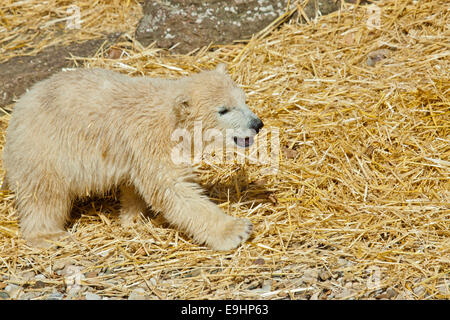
{"points": [[222, 68], [181, 107]]}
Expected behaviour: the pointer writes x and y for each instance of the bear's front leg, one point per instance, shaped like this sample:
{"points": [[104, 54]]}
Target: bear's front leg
{"points": [[131, 203], [208, 224], [183, 205]]}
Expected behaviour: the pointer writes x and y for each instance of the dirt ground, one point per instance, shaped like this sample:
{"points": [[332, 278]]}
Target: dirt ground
{"points": [[19, 73]]}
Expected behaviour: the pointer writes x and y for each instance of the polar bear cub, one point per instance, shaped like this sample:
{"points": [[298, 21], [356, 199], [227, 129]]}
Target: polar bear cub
{"points": [[86, 131]]}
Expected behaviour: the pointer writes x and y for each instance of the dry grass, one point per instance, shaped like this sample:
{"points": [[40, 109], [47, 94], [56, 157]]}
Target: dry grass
{"points": [[27, 27], [362, 192]]}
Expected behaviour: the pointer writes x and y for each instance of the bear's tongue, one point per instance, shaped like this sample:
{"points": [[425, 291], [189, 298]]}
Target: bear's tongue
{"points": [[243, 142]]}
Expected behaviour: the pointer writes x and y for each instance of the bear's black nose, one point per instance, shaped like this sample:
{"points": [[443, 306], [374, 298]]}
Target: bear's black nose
{"points": [[256, 124]]}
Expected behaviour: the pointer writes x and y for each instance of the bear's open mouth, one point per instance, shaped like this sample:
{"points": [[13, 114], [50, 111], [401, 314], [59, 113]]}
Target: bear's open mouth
{"points": [[243, 142]]}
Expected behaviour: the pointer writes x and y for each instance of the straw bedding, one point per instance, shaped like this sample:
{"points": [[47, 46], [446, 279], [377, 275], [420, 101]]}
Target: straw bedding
{"points": [[359, 207], [27, 27]]}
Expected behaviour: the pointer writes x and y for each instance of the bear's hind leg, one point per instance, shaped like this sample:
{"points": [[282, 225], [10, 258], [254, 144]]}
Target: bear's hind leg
{"points": [[43, 216]]}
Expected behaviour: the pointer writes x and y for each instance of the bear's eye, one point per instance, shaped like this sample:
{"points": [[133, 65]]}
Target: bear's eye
{"points": [[222, 111]]}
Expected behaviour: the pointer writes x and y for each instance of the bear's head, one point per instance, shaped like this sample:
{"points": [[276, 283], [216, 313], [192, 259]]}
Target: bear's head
{"points": [[217, 103]]}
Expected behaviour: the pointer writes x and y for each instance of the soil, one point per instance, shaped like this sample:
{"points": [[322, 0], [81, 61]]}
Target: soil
{"points": [[20, 73]]}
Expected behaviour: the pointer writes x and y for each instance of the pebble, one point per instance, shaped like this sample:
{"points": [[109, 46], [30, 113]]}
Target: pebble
{"points": [[391, 292], [4, 295], [92, 296], [265, 287], [388, 294], [404, 295], [29, 295], [14, 291], [39, 277], [28, 275], [444, 289], [73, 291], [38, 285], [310, 276], [137, 294], [345, 263], [419, 291], [259, 261], [377, 55], [152, 281], [91, 274], [344, 294], [55, 296], [324, 275], [315, 296]]}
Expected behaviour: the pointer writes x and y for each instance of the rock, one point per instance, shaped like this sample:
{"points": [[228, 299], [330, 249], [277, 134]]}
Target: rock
{"points": [[137, 294], [72, 277], [309, 276], [419, 291], [404, 295], [91, 274], [388, 294], [73, 291], [314, 8], [152, 281], [92, 296], [344, 262], [39, 277], [191, 24], [56, 295], [346, 293], [14, 291], [114, 53], [265, 287], [70, 270], [324, 275], [260, 183], [38, 285], [444, 289], [391, 293], [185, 25], [27, 275], [29, 295], [315, 296], [290, 153], [376, 56]]}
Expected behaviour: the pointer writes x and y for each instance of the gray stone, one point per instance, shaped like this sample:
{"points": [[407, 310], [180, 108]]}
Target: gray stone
{"points": [[55, 296], [324, 275], [92, 296], [29, 296], [137, 294], [310, 276], [191, 24], [14, 291]]}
